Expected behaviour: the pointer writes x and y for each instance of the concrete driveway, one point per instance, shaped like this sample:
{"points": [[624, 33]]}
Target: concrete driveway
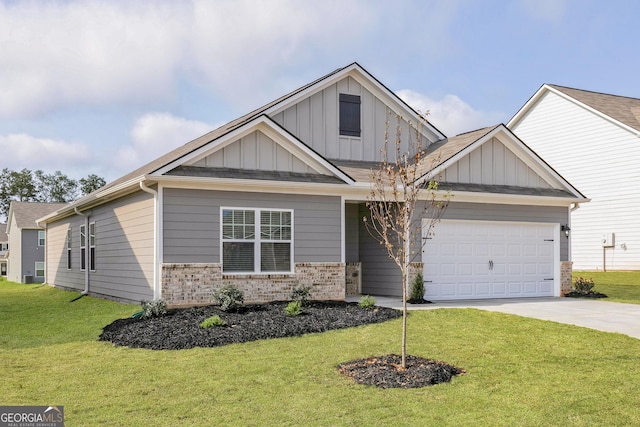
{"points": [[594, 314]]}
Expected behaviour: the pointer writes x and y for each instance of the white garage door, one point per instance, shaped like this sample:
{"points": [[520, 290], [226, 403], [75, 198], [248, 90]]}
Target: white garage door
{"points": [[486, 259]]}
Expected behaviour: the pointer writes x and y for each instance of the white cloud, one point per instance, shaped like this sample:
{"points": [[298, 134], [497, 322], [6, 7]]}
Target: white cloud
{"points": [[155, 134], [450, 114], [20, 151], [59, 54]]}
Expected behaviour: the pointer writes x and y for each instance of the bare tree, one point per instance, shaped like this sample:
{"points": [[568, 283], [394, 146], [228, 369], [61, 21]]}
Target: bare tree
{"points": [[404, 197]]}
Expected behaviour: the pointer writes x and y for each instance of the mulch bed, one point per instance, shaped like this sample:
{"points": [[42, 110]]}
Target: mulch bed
{"points": [[387, 372], [588, 294], [180, 328]]}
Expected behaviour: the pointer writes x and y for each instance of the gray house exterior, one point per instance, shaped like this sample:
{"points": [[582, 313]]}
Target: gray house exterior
{"points": [[25, 259], [275, 199]]}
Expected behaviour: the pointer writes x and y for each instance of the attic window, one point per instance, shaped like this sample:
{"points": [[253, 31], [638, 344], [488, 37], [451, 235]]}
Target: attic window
{"points": [[349, 115]]}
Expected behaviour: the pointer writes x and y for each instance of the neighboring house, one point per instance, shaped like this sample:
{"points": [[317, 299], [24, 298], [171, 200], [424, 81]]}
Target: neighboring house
{"points": [[4, 248], [27, 241], [275, 199], [593, 140]]}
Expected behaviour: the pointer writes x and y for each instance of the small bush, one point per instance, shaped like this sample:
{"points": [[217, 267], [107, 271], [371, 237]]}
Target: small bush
{"points": [[302, 294], [228, 297], [294, 308], [583, 285], [367, 302], [417, 288], [154, 308], [212, 321]]}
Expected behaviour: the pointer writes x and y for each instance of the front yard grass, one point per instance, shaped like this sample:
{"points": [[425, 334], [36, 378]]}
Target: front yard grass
{"points": [[618, 286], [519, 371]]}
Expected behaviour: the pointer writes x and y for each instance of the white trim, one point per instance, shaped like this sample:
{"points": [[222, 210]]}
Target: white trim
{"points": [[267, 126], [160, 241], [83, 259], [257, 240], [157, 292], [522, 151], [546, 88], [91, 258]]}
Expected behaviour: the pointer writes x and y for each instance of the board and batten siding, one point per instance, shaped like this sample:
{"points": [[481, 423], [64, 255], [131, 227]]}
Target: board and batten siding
{"points": [[124, 249], [315, 121], [493, 164], [601, 159], [191, 223], [255, 151], [381, 276]]}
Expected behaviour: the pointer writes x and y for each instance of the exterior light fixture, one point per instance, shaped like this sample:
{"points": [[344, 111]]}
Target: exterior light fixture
{"points": [[566, 230]]}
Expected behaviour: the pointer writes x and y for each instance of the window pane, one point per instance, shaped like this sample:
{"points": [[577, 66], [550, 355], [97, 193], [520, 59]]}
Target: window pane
{"points": [[275, 256], [275, 225], [237, 256]]}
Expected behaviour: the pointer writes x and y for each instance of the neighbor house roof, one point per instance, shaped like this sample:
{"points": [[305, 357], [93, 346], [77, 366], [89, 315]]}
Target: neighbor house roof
{"points": [[3, 233], [621, 109], [25, 214]]}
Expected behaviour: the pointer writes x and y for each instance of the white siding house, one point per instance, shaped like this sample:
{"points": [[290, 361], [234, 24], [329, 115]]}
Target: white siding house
{"points": [[593, 140]]}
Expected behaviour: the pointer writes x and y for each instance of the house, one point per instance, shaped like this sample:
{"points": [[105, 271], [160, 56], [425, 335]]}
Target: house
{"points": [[4, 248], [27, 241], [592, 139], [275, 199]]}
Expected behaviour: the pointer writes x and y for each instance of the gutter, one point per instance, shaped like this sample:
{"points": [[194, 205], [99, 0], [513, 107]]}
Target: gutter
{"points": [[86, 252]]}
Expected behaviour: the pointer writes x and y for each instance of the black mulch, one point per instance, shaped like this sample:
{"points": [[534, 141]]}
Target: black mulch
{"points": [[180, 328], [588, 294], [387, 372]]}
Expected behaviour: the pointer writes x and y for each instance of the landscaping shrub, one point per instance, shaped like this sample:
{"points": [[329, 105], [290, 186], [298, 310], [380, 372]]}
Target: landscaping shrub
{"points": [[228, 297], [294, 308], [367, 302], [212, 321], [153, 308], [302, 294], [583, 285], [417, 289]]}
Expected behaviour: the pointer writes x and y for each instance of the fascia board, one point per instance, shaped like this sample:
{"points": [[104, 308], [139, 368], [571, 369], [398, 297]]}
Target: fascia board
{"points": [[525, 108], [90, 201]]}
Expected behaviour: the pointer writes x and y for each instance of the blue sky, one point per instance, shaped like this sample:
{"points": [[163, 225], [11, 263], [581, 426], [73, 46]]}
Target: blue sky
{"points": [[105, 86]]}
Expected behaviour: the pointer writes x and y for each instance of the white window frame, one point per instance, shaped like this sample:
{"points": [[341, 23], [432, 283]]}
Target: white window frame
{"points": [[83, 248], [35, 270], [42, 239], [257, 240], [92, 246], [69, 241]]}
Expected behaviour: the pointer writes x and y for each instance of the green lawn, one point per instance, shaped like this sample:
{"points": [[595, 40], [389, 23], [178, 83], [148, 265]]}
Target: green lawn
{"points": [[619, 286], [520, 371]]}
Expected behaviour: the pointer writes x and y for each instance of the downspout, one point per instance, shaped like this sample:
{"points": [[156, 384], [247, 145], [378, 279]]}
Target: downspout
{"points": [[154, 193], [86, 252]]}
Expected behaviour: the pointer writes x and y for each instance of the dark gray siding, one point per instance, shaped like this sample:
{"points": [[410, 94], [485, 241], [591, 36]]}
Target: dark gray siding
{"points": [[31, 253], [381, 276], [352, 232], [191, 223]]}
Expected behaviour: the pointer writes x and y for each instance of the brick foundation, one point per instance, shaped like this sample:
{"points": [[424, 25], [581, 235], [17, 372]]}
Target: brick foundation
{"points": [[566, 270], [193, 284], [353, 278]]}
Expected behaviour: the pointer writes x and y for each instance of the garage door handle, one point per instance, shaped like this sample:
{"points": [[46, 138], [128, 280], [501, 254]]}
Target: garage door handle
{"points": [[549, 279], [427, 281]]}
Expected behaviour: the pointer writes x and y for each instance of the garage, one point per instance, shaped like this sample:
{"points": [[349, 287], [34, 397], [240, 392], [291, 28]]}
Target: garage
{"points": [[490, 259]]}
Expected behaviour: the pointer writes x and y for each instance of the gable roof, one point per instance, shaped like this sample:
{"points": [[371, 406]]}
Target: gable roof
{"points": [[25, 214], [442, 154], [622, 110], [3, 233]]}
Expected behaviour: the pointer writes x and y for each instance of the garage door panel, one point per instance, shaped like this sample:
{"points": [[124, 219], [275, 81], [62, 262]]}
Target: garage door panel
{"points": [[457, 260]]}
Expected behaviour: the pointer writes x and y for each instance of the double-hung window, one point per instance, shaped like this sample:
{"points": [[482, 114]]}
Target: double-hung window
{"points": [[83, 247], [69, 248], [92, 246], [257, 240], [39, 269], [41, 238]]}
